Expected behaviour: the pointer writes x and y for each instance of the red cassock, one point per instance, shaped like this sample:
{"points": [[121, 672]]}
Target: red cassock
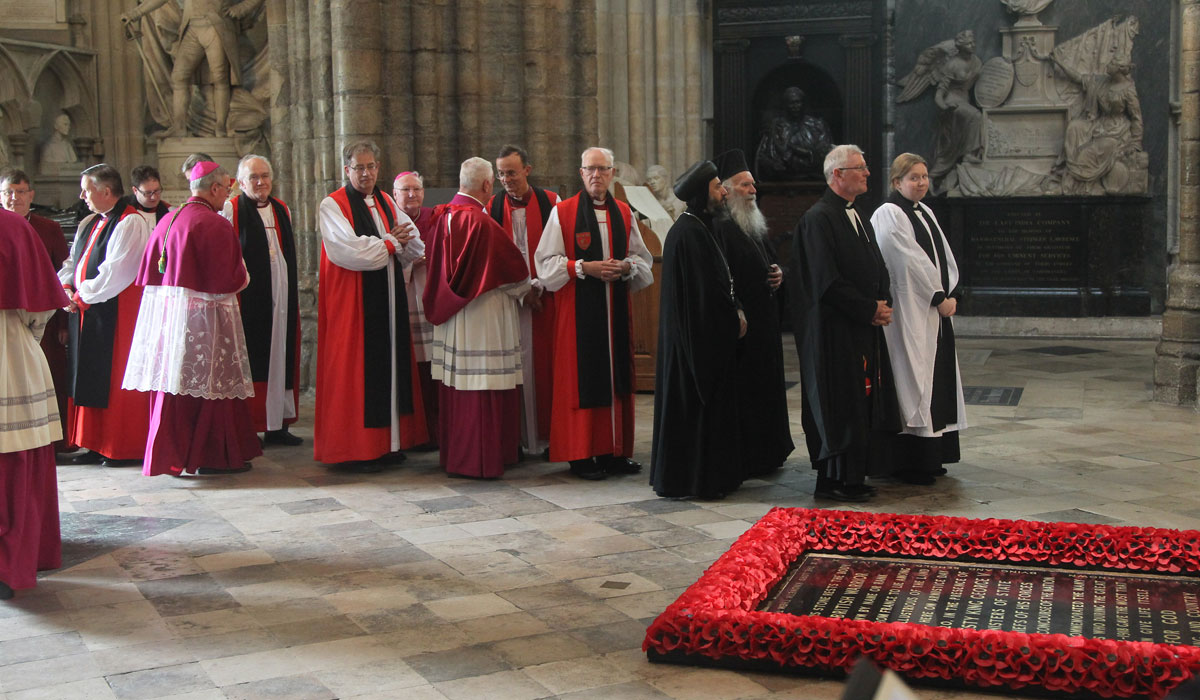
{"points": [[580, 433], [338, 431], [116, 430], [190, 432], [543, 321]]}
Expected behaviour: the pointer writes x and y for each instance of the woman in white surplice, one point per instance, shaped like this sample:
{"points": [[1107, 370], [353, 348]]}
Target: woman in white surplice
{"points": [[920, 338]]}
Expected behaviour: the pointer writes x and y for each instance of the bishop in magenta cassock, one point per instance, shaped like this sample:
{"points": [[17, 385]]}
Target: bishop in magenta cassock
{"points": [[98, 276], [523, 210], [476, 278], [368, 394], [270, 307], [189, 349], [408, 189], [29, 424], [592, 255]]}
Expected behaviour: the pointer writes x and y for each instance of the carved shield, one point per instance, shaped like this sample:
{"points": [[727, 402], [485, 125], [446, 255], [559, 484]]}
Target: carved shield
{"points": [[583, 239]]}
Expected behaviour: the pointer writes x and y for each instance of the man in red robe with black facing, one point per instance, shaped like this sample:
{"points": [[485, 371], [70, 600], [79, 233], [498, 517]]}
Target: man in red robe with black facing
{"points": [[476, 278], [368, 395], [523, 211], [270, 305], [108, 421], [592, 254]]}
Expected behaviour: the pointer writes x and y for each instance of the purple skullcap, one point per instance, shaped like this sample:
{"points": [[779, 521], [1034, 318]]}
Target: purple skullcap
{"points": [[201, 169]]}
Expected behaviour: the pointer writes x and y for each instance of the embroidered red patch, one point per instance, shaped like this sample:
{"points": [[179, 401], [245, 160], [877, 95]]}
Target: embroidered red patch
{"points": [[583, 239]]}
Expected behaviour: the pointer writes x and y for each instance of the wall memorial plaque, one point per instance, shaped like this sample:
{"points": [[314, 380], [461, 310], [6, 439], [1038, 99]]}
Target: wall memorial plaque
{"points": [[34, 14], [1099, 605], [1034, 246], [995, 82]]}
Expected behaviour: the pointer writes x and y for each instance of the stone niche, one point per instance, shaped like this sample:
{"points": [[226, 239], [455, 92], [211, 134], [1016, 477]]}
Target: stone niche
{"points": [[831, 50], [44, 88], [1058, 201]]}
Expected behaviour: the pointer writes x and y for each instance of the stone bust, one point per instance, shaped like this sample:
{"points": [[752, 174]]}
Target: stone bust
{"points": [[58, 149], [659, 183], [794, 145]]}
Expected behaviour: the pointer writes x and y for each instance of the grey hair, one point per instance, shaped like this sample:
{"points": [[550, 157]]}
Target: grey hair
{"points": [[355, 147], [243, 168], [190, 162], [838, 157], [105, 175], [473, 174], [607, 154], [414, 173], [207, 181]]}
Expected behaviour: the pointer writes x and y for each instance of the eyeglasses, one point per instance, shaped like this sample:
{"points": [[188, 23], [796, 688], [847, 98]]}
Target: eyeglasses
{"points": [[148, 193], [855, 167], [410, 190], [596, 168], [368, 168], [14, 193], [259, 178]]}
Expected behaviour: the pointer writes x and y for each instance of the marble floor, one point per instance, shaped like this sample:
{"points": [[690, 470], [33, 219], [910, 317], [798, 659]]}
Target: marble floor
{"points": [[293, 581]]}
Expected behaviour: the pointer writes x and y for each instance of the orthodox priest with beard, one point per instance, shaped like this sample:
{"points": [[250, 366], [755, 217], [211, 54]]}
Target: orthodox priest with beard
{"points": [[766, 430], [695, 387]]}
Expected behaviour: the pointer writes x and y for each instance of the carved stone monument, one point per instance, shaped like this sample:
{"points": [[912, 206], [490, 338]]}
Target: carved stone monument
{"points": [[1051, 118]]}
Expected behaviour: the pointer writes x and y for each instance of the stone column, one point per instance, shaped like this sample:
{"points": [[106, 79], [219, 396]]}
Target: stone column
{"points": [[1177, 365], [649, 56]]}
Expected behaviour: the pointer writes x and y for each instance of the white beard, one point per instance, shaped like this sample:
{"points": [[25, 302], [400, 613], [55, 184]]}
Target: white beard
{"points": [[746, 214]]}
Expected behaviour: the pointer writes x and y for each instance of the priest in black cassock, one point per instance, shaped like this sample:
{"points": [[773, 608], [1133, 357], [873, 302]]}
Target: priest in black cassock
{"points": [[841, 301], [763, 422], [695, 450]]}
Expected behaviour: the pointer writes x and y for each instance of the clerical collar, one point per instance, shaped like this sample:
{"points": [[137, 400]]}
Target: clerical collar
{"points": [[262, 205], [138, 204], [519, 201], [602, 204], [849, 205], [108, 214]]}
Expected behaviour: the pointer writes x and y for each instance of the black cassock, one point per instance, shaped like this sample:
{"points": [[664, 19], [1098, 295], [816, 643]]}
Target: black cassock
{"points": [[763, 422], [695, 446], [838, 276]]}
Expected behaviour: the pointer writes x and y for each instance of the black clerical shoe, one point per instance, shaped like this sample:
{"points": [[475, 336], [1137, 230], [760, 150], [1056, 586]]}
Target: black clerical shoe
{"points": [[213, 471], [622, 465], [837, 491], [6, 592], [588, 469], [88, 457], [940, 471], [282, 437], [392, 458], [115, 463]]}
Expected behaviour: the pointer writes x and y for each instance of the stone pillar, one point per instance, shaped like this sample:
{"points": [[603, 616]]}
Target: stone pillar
{"points": [[1177, 365], [650, 56], [432, 82]]}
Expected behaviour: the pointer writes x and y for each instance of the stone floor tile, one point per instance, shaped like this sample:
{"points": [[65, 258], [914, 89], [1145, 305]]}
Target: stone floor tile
{"points": [[159, 682], [469, 607], [297, 687], [577, 674], [510, 685], [540, 649], [375, 677], [89, 689], [437, 667]]}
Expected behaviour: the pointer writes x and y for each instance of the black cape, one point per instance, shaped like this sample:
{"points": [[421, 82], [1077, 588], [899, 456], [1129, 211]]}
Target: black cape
{"points": [[695, 445], [763, 422], [257, 305], [838, 277]]}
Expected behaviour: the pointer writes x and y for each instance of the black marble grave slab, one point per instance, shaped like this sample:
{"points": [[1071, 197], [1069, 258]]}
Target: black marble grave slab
{"points": [[86, 536]]}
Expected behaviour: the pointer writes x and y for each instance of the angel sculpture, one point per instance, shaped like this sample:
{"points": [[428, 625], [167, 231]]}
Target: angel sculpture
{"points": [[952, 67]]}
